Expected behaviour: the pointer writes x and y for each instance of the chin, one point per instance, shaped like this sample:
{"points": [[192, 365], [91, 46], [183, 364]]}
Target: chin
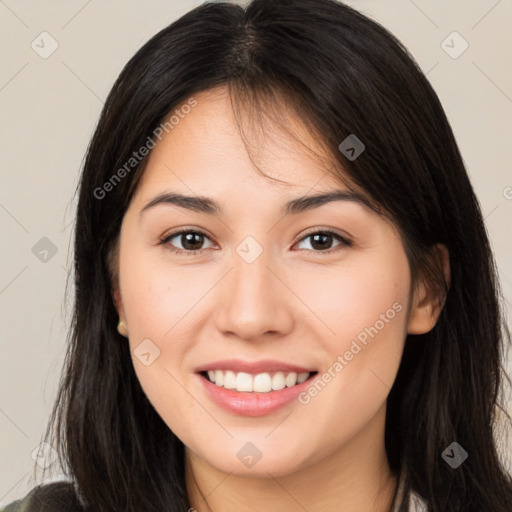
{"points": [[256, 459]]}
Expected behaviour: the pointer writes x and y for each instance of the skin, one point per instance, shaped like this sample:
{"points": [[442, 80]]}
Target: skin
{"points": [[293, 304]]}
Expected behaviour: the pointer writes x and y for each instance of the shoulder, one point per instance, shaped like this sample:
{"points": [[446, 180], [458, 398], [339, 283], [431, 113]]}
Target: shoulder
{"points": [[52, 497]]}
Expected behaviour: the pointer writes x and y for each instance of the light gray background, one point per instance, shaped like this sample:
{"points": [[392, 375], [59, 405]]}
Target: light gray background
{"points": [[49, 108]]}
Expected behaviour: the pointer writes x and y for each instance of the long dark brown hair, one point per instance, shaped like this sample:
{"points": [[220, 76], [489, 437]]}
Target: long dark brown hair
{"points": [[342, 74]]}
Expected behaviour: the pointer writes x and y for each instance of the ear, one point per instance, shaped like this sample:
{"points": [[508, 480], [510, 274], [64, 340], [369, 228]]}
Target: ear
{"points": [[119, 304], [428, 300], [122, 327]]}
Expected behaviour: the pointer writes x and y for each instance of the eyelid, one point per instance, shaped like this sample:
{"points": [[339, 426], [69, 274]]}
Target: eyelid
{"points": [[324, 229]]}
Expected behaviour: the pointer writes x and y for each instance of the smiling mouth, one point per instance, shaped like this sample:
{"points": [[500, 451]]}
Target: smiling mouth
{"points": [[265, 382]]}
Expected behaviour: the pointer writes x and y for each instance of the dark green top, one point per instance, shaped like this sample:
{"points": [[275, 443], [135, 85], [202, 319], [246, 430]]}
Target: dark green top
{"points": [[52, 497], [62, 497]]}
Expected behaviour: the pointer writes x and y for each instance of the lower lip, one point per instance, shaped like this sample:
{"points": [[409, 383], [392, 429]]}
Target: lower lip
{"points": [[253, 404]]}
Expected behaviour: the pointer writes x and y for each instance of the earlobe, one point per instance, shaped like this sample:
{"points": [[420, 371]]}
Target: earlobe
{"points": [[423, 318], [121, 326], [428, 299]]}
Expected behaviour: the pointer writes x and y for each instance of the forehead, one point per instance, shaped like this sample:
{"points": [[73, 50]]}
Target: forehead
{"points": [[207, 149]]}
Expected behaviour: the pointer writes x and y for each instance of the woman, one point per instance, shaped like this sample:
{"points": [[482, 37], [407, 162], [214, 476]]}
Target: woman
{"points": [[285, 294]]}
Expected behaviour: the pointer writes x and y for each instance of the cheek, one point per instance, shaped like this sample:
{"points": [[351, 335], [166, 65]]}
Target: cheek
{"points": [[364, 307], [159, 304], [354, 298], [157, 296]]}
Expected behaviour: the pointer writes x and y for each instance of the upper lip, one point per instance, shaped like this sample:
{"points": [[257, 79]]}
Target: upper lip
{"points": [[253, 367]]}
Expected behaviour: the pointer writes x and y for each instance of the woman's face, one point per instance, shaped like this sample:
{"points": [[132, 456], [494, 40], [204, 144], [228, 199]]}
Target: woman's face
{"points": [[256, 297]]}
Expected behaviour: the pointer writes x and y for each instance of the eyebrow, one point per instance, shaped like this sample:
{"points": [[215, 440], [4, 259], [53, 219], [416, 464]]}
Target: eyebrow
{"points": [[201, 204]]}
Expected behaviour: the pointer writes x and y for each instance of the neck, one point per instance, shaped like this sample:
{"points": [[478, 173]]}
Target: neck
{"points": [[355, 477]]}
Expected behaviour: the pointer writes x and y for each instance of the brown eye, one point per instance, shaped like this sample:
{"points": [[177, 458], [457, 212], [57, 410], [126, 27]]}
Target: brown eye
{"points": [[322, 241], [186, 241]]}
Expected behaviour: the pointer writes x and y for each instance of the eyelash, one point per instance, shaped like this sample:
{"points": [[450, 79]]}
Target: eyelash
{"points": [[344, 241]]}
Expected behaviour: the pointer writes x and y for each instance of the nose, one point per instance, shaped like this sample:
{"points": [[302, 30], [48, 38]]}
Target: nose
{"points": [[253, 301]]}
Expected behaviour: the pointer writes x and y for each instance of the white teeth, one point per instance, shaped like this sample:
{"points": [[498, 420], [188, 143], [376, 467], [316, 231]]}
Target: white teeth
{"points": [[291, 380], [302, 377], [260, 383], [219, 377], [278, 381], [243, 382], [229, 380]]}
